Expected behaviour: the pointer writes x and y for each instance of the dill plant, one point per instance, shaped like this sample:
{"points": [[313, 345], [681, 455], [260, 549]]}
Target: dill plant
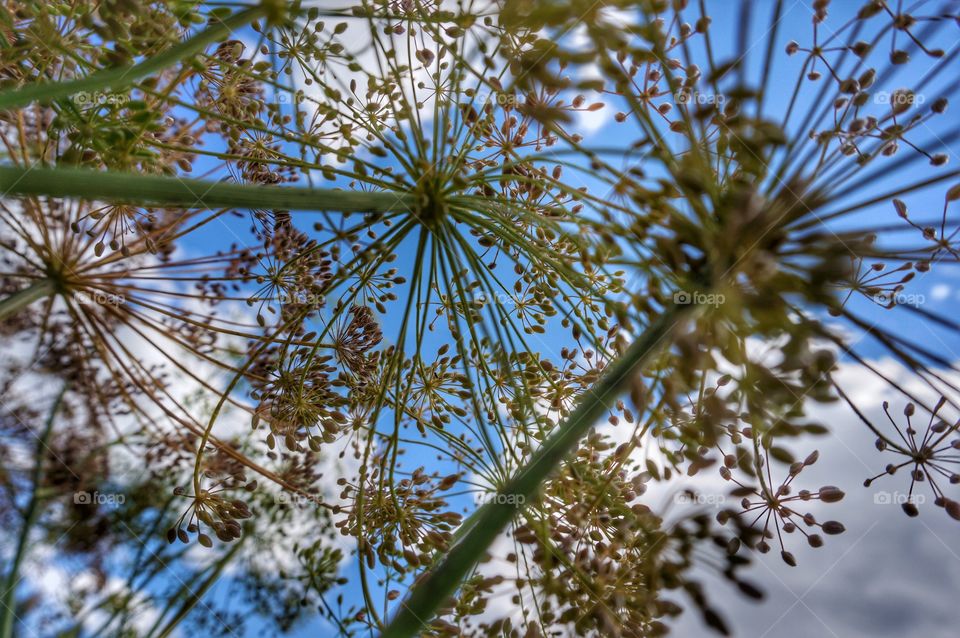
{"points": [[436, 286]]}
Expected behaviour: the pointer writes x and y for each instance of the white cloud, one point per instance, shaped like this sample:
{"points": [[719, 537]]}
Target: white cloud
{"points": [[887, 575]]}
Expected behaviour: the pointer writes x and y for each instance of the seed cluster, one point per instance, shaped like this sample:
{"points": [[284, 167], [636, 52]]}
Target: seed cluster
{"points": [[422, 350]]}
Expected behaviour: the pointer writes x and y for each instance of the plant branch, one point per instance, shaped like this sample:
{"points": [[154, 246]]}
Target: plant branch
{"points": [[114, 79], [22, 298], [484, 525], [194, 596], [191, 193], [29, 518]]}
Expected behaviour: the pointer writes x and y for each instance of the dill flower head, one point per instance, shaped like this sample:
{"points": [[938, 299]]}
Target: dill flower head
{"points": [[469, 288]]}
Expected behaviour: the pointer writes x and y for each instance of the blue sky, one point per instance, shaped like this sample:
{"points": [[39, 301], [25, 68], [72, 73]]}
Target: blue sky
{"points": [[866, 583]]}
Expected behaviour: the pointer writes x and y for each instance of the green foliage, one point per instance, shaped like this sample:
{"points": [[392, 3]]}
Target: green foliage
{"points": [[440, 287]]}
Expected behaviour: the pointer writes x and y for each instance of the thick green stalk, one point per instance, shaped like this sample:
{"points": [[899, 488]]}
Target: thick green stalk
{"points": [[23, 298], [484, 525], [115, 79], [29, 518], [190, 193]]}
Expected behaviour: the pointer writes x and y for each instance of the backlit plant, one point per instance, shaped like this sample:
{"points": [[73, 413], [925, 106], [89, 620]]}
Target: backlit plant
{"points": [[356, 291]]}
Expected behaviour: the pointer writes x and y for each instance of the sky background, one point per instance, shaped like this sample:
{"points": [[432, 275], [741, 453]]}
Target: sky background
{"points": [[887, 575]]}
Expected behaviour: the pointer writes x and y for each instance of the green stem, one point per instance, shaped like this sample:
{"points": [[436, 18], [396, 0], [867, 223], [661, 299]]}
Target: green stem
{"points": [[22, 298], [190, 193], [484, 525], [194, 596], [114, 79], [29, 518]]}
